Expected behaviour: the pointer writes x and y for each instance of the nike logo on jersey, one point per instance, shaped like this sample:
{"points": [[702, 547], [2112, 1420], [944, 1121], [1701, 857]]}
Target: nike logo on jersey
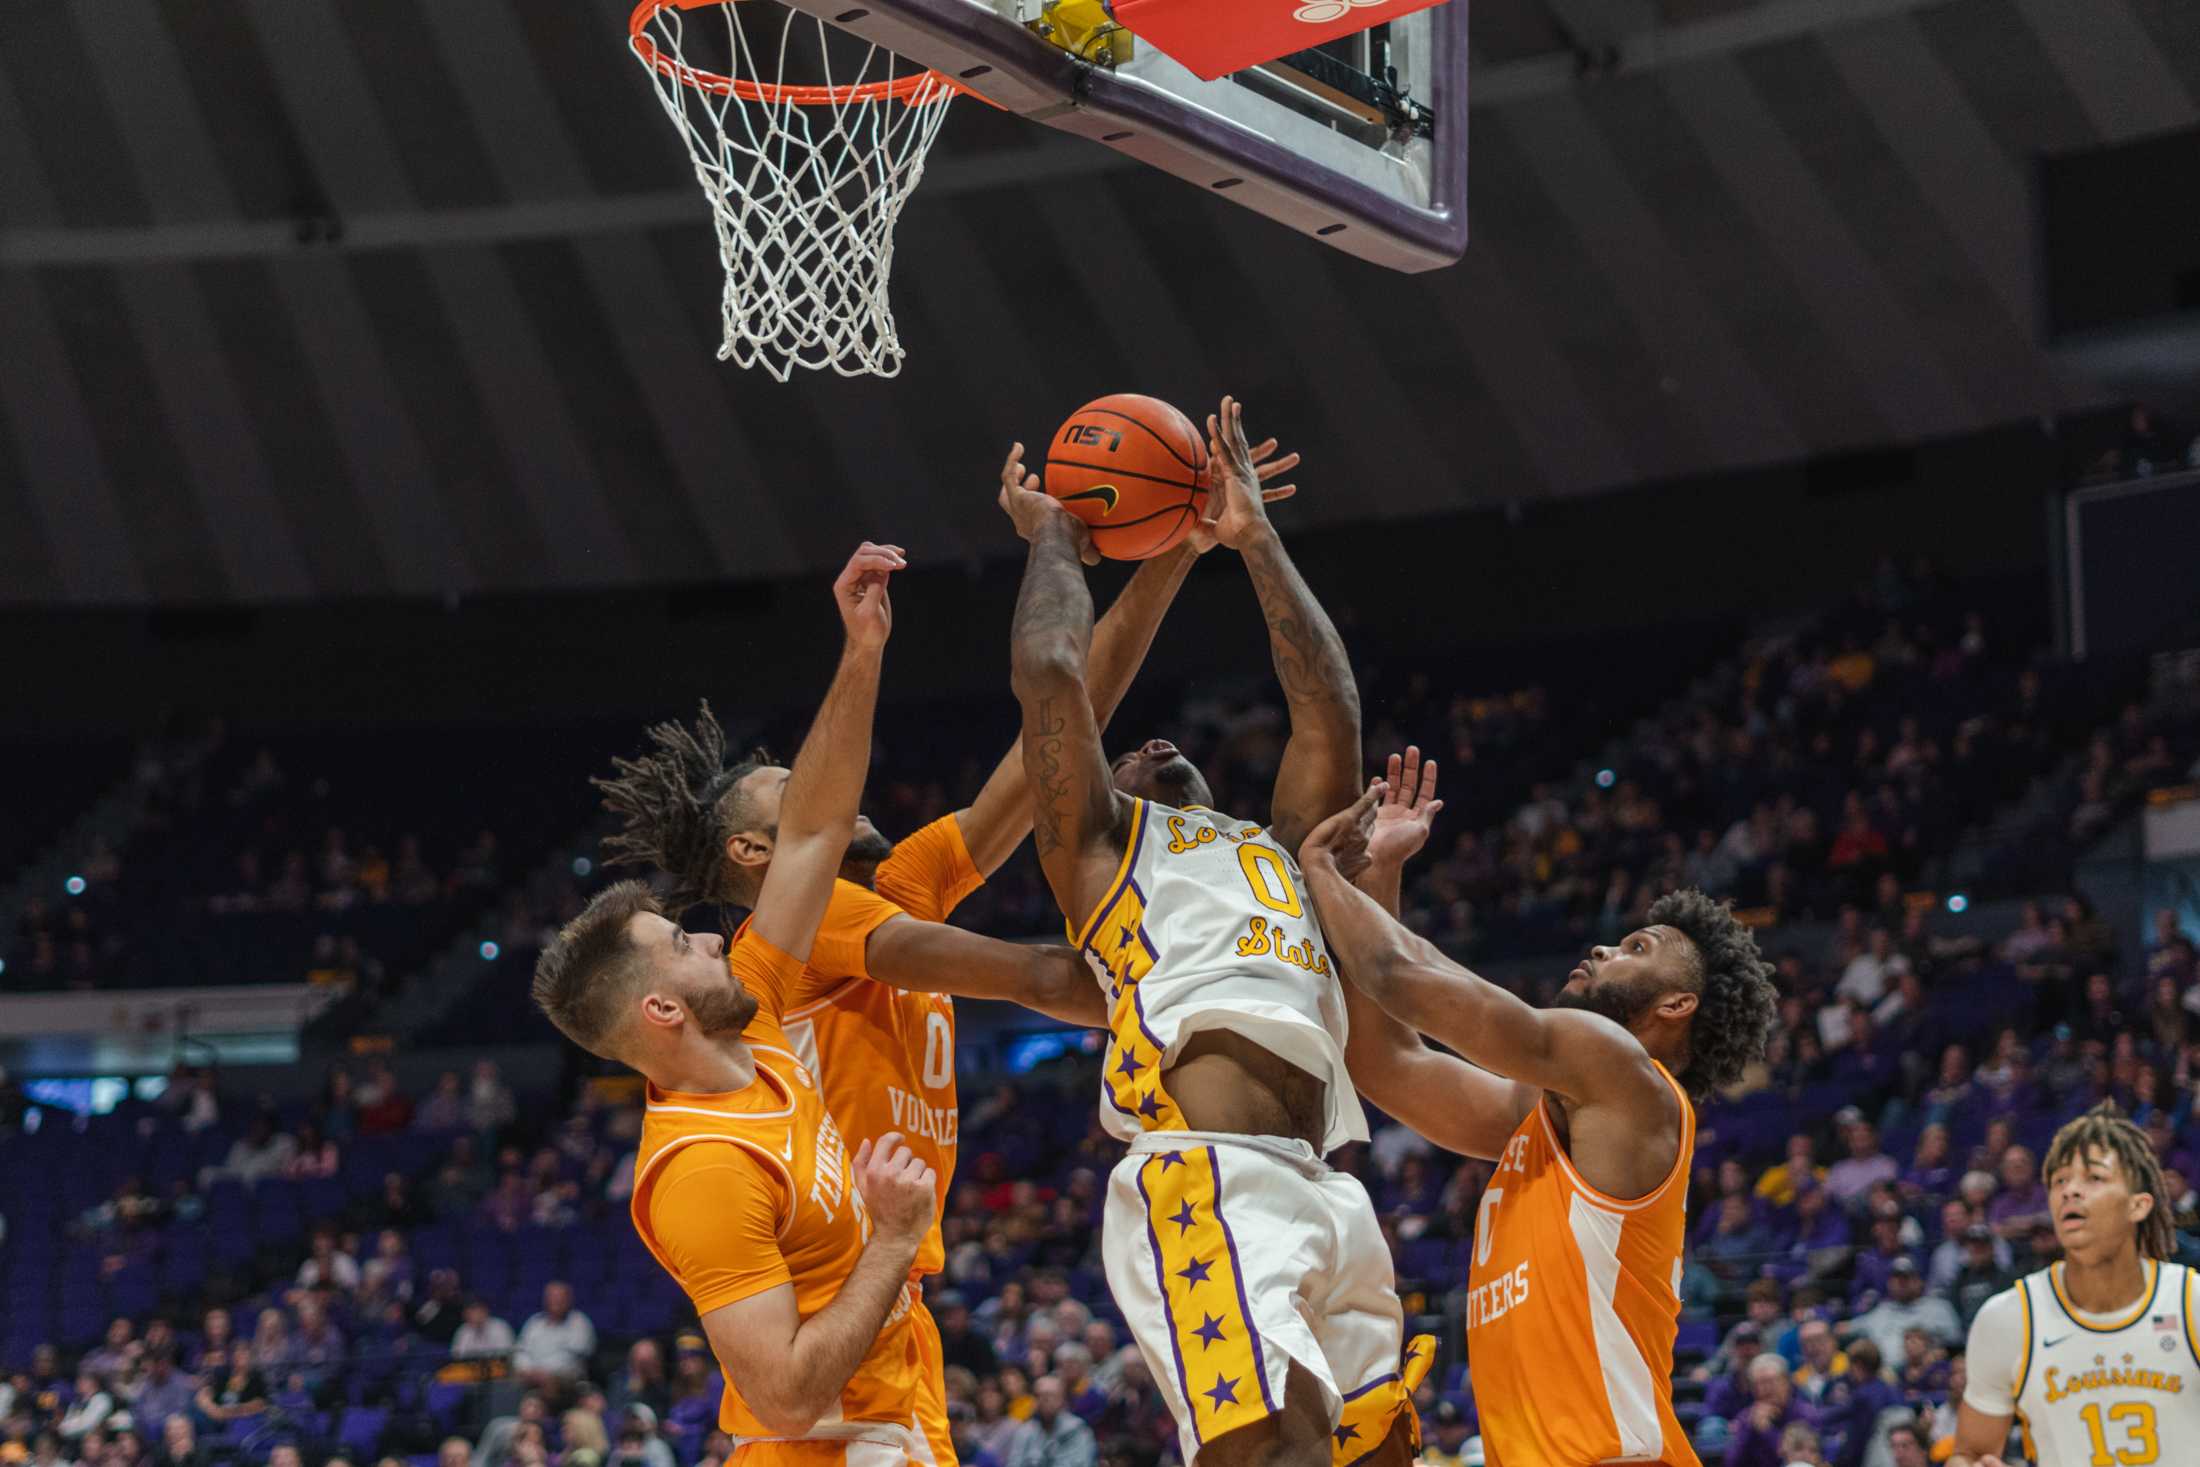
{"points": [[788, 1150], [2051, 1344], [1107, 494]]}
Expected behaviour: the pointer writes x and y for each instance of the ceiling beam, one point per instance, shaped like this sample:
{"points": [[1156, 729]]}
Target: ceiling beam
{"points": [[1653, 47]]}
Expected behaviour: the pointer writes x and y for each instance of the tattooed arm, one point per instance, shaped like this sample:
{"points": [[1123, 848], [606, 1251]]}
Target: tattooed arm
{"points": [[1078, 819], [1320, 772]]}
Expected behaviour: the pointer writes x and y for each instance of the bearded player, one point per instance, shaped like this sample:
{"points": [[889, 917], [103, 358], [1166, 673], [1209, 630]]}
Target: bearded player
{"points": [[1255, 1279], [797, 1260], [1585, 1106], [870, 1012], [2096, 1356]]}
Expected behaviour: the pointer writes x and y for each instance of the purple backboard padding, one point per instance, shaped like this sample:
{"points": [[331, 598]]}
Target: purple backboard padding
{"points": [[1432, 236]]}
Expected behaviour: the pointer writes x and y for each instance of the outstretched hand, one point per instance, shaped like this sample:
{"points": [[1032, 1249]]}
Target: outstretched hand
{"points": [[1031, 509], [1235, 508], [866, 611], [1341, 840], [1407, 811], [1266, 466]]}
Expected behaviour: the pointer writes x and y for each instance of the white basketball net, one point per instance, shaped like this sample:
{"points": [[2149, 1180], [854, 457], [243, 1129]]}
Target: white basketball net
{"points": [[804, 195]]}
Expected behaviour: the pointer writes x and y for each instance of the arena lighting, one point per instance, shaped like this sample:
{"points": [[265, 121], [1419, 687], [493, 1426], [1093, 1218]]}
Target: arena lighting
{"points": [[489, 951], [582, 865], [1958, 902], [74, 886], [1605, 778]]}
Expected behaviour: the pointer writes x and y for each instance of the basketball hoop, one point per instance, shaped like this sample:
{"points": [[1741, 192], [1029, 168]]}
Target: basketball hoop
{"points": [[805, 182]]}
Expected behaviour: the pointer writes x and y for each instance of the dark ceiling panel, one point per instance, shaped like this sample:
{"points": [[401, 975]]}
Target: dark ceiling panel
{"points": [[78, 142], [499, 538], [418, 98], [165, 522], [269, 174], [305, 462]]}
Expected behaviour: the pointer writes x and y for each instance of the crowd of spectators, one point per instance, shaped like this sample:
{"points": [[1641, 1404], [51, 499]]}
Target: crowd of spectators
{"points": [[1832, 1270], [435, 1303], [2146, 444]]}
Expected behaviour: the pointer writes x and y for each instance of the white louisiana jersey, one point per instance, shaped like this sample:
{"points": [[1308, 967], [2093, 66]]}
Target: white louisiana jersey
{"points": [[2120, 1388], [1207, 926]]}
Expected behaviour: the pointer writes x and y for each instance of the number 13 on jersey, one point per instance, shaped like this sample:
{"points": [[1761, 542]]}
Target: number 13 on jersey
{"points": [[2123, 1434]]}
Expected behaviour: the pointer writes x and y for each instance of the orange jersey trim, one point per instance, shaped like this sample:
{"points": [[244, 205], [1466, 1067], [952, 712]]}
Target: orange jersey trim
{"points": [[1605, 1199]]}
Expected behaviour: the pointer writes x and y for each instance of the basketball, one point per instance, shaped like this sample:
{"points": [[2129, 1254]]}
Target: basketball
{"points": [[1133, 468]]}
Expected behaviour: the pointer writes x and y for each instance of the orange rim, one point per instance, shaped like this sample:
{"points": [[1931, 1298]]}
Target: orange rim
{"points": [[921, 86]]}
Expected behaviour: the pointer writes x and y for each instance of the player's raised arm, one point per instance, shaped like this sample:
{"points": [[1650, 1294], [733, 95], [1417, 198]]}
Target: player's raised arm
{"points": [[996, 822], [934, 957], [817, 814], [1321, 763], [1437, 1095], [1582, 1056], [1078, 819]]}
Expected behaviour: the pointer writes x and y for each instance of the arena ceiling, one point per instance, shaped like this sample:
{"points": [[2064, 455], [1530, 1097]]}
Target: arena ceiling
{"points": [[321, 298]]}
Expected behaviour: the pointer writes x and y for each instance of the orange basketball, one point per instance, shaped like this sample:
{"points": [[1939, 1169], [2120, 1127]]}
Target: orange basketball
{"points": [[1134, 469]]}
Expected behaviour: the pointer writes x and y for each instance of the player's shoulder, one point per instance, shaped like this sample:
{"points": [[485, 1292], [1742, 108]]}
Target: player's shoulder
{"points": [[852, 899], [718, 1167], [2008, 1313]]}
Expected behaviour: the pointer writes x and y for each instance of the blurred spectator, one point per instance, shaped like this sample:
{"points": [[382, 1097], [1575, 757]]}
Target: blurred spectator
{"points": [[1800, 1447], [317, 1347], [489, 1105], [640, 1444], [697, 1389], [439, 1314], [179, 1442], [554, 1346], [90, 1407], [388, 1276], [1822, 1363], [383, 1108], [1730, 1393], [261, 1151], [1906, 1445], [2022, 1201], [505, 1433], [959, 1343], [232, 1388], [314, 1155], [482, 1335], [328, 1266], [444, 1109], [1982, 1276], [643, 1379], [1054, 1436], [582, 1440], [1447, 1433], [1754, 1437], [115, 1351], [1865, 1166], [165, 1393]]}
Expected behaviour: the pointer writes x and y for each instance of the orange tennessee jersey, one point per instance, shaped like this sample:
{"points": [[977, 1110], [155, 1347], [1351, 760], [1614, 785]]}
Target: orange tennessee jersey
{"points": [[742, 1192], [1571, 1310], [885, 1057]]}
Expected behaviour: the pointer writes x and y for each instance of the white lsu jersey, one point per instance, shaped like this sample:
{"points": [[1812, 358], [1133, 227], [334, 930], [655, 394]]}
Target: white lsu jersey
{"points": [[2122, 1389], [1207, 926]]}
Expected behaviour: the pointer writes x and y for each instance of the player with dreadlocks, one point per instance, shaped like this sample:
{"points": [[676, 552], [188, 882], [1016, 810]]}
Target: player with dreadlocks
{"points": [[1585, 1106], [2096, 1356], [871, 1012]]}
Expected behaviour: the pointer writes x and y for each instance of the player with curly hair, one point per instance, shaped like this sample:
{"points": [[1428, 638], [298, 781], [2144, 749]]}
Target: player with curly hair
{"points": [[1585, 1107]]}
